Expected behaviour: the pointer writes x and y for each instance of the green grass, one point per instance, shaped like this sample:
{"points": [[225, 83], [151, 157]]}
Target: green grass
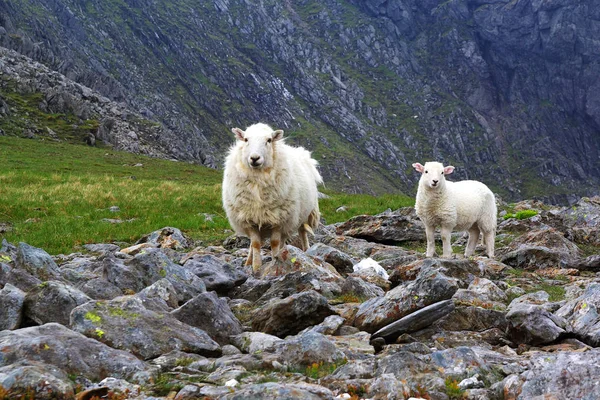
{"points": [[57, 195], [523, 214]]}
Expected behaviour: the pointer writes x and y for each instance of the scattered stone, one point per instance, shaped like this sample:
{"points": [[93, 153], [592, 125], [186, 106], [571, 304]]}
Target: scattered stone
{"points": [[217, 275], [53, 301], [211, 314], [282, 317], [11, 307], [389, 227], [36, 262]]}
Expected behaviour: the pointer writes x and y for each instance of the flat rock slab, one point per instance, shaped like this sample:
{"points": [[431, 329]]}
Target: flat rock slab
{"points": [[418, 320], [124, 323], [72, 352], [389, 227]]}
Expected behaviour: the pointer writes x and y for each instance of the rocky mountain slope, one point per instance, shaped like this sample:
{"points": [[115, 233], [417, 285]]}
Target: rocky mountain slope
{"points": [[507, 91], [352, 318]]}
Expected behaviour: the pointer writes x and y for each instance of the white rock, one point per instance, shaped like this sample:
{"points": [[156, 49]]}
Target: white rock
{"points": [[368, 266]]}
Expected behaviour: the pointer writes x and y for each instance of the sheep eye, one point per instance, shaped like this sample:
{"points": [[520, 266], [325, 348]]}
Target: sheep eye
{"points": [[269, 140], [246, 140], [425, 171], [442, 173]]}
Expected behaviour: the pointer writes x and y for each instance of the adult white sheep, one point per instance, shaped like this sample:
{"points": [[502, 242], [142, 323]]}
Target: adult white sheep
{"points": [[269, 190], [461, 206]]}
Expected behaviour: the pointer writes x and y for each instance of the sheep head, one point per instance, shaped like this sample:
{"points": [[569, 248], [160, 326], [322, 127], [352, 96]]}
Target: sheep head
{"points": [[433, 174], [257, 145]]}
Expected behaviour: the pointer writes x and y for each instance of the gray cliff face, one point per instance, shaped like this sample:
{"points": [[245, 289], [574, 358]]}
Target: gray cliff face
{"points": [[507, 91]]}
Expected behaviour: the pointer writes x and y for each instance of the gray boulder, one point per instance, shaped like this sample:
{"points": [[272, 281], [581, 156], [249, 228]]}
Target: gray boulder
{"points": [[35, 380], [307, 349], [36, 262], [389, 227], [430, 286], [342, 262], [212, 314], [582, 315], [278, 391], [217, 274], [52, 301], [356, 286], [11, 307], [533, 323], [288, 316], [126, 324], [71, 352], [17, 277]]}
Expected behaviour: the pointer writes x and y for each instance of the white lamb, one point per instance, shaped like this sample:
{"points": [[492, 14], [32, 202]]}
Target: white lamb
{"points": [[460, 206], [269, 190]]}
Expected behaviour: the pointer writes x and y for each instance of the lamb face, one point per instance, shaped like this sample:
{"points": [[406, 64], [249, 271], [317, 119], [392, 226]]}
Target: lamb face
{"points": [[433, 174]]}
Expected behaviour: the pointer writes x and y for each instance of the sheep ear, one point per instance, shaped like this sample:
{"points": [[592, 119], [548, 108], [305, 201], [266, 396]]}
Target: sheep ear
{"points": [[418, 167], [277, 135], [448, 170], [239, 134]]}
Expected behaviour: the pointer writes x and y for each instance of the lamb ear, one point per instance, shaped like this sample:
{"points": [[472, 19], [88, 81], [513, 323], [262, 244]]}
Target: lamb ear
{"points": [[448, 170], [418, 167], [239, 134], [277, 135]]}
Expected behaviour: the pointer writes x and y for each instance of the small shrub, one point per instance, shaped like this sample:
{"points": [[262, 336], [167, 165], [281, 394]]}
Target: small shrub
{"points": [[453, 390], [321, 369], [523, 214]]}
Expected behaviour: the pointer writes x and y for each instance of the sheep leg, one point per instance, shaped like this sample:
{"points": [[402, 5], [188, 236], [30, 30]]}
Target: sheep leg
{"points": [[430, 234], [303, 233], [275, 242], [249, 258], [489, 237], [447, 248], [255, 250], [472, 242]]}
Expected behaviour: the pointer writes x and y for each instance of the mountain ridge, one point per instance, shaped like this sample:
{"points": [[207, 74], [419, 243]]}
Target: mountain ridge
{"points": [[502, 90]]}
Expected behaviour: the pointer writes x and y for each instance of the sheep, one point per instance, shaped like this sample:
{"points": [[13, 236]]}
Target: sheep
{"points": [[460, 206], [269, 190]]}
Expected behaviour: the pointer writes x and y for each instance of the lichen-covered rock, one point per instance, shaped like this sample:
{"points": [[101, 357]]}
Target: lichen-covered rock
{"points": [[533, 324], [277, 391], [356, 286], [72, 352], [124, 323], [310, 348], [35, 380]]}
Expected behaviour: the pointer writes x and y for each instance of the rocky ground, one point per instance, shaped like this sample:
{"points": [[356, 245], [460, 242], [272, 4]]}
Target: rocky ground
{"points": [[361, 314]]}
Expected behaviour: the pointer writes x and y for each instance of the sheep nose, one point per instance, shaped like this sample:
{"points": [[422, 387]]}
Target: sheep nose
{"points": [[255, 160], [435, 181]]}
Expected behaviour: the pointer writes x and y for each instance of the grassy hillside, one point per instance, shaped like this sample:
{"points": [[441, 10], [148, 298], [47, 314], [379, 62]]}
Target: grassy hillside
{"points": [[58, 196]]}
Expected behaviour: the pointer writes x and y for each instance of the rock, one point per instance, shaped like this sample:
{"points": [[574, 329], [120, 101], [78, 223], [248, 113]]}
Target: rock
{"points": [[71, 352], [35, 380], [255, 342], [571, 374], [482, 292], [415, 321], [277, 391], [251, 290], [167, 237], [101, 248], [472, 318], [211, 314], [389, 227], [11, 307], [583, 219], [582, 315], [100, 289], [149, 266], [18, 278], [342, 262], [545, 248], [36, 262], [160, 297], [289, 316], [328, 327], [316, 279], [291, 259], [355, 286], [126, 324], [307, 349], [430, 286], [53, 301], [532, 324], [176, 358], [216, 274]]}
